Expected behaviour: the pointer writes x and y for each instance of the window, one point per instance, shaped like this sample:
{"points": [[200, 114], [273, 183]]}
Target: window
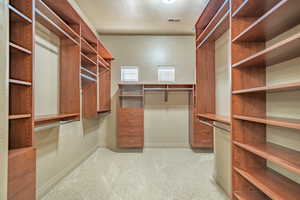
{"points": [[129, 74], [166, 73]]}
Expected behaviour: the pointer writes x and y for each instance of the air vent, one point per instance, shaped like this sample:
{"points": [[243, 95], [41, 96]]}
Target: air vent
{"points": [[174, 20]]}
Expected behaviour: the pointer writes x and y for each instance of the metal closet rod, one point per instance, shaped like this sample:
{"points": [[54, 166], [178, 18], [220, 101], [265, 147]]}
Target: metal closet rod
{"points": [[53, 125], [88, 78], [213, 125], [88, 71]]}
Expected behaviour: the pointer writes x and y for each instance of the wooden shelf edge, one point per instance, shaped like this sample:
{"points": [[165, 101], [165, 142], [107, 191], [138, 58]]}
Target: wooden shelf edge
{"points": [[103, 110], [19, 48], [286, 158], [19, 151], [274, 121], [18, 82], [44, 119], [87, 46], [20, 14], [283, 45], [275, 88], [19, 116], [276, 185], [86, 58], [249, 195], [217, 118]]}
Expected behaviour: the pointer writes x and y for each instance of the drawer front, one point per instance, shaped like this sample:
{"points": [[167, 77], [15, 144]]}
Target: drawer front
{"points": [[21, 175], [203, 135], [131, 122], [131, 141]]}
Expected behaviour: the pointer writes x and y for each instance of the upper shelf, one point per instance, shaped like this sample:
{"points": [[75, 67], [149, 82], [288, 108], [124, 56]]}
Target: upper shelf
{"points": [[280, 52], [215, 20], [282, 17], [17, 16], [53, 22], [250, 8], [87, 48], [270, 89], [214, 117]]}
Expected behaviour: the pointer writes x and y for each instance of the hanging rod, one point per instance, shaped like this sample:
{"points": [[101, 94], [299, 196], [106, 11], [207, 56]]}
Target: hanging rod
{"points": [[52, 125], [213, 125], [88, 71], [88, 78]]}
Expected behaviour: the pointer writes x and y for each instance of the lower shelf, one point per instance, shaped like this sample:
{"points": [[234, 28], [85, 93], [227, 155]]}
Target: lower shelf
{"points": [[271, 183], [104, 110], [44, 119], [250, 195]]}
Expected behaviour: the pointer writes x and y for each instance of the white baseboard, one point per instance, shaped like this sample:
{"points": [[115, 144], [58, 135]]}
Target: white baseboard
{"points": [[44, 189]]}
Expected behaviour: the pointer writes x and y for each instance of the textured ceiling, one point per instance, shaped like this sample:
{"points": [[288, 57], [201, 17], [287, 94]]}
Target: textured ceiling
{"points": [[142, 16]]}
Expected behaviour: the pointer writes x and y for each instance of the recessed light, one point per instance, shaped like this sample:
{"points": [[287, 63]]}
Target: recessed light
{"points": [[168, 1]]}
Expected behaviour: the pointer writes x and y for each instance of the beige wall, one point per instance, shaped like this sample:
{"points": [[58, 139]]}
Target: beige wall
{"points": [[166, 124], [3, 97], [223, 106], [284, 104]]}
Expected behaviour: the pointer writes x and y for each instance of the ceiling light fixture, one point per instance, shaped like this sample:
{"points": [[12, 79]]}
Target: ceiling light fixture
{"points": [[168, 1]]}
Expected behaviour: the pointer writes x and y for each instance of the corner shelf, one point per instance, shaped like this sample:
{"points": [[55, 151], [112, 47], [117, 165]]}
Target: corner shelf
{"points": [[274, 121], [287, 158], [214, 117], [271, 183], [280, 52], [270, 89], [283, 16], [53, 118]]}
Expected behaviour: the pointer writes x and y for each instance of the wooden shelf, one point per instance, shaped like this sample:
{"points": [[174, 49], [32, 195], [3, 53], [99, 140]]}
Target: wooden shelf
{"points": [[270, 89], [218, 29], [53, 22], [19, 151], [287, 158], [16, 48], [103, 62], [212, 24], [214, 117], [282, 17], [132, 96], [251, 8], [86, 48], [271, 183], [52, 118], [280, 52], [103, 52], [103, 110], [18, 82], [23, 116], [274, 121], [17, 16], [85, 60], [250, 195]]}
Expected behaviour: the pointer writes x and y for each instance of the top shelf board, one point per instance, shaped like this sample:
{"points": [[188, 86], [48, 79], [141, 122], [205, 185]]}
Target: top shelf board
{"points": [[250, 8], [282, 17]]}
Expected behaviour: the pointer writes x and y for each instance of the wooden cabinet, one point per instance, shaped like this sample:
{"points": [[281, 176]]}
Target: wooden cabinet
{"points": [[131, 127]]}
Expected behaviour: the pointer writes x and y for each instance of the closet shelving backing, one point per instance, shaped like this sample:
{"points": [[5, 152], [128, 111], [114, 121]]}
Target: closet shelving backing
{"points": [[81, 55], [253, 24]]}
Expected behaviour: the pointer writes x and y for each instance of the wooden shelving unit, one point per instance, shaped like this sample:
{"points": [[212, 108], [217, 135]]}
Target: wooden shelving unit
{"points": [[80, 54], [211, 25], [21, 173], [253, 24]]}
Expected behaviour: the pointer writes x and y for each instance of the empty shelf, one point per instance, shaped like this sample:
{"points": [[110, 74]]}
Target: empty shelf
{"points": [[287, 158], [17, 16], [18, 82], [280, 52], [271, 183], [19, 116], [282, 17], [86, 48], [270, 89], [17, 48], [214, 117], [52, 118], [85, 60], [274, 121], [250, 195]]}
